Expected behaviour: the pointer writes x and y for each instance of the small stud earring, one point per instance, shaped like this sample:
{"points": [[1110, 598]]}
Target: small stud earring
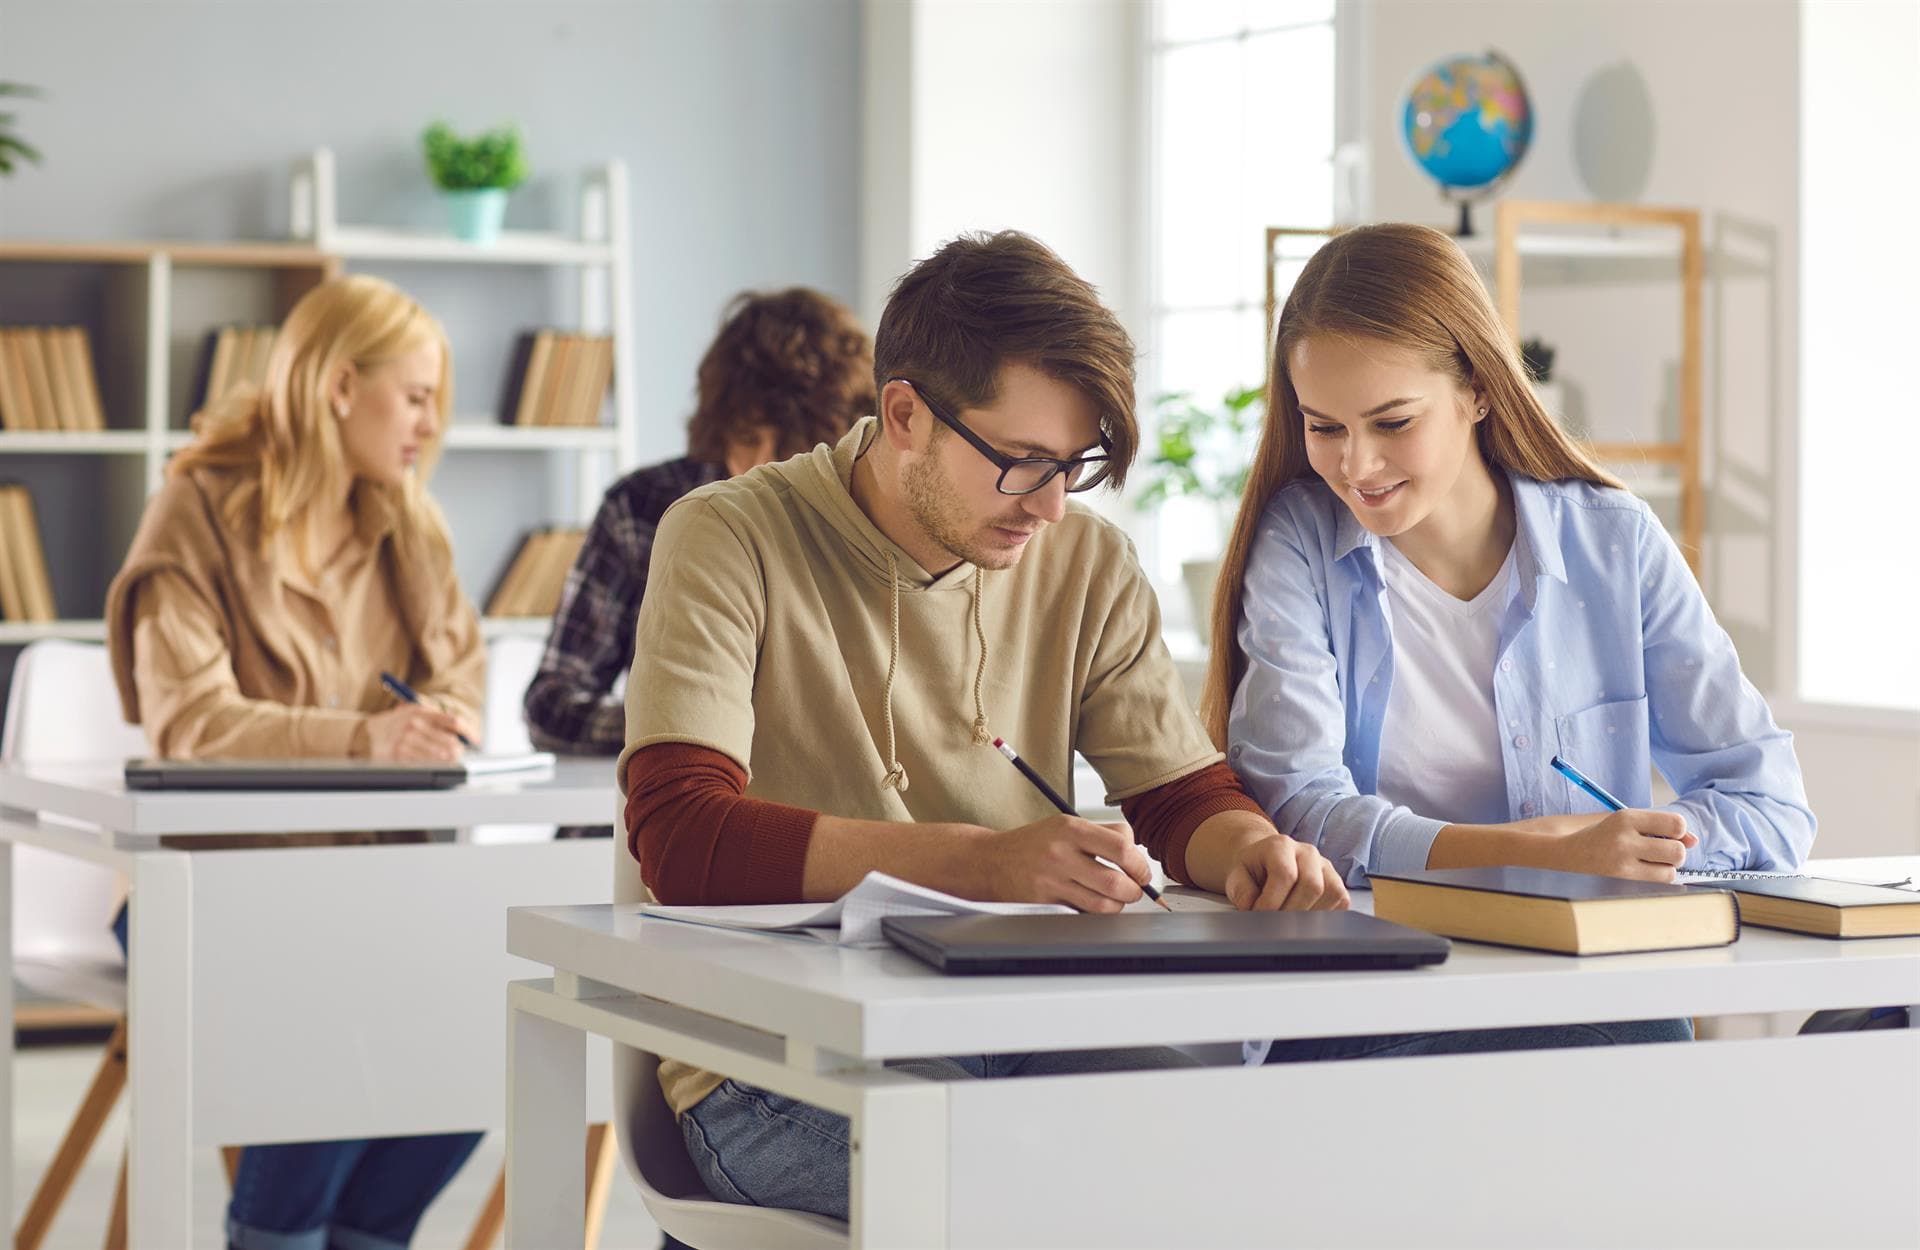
{"points": [[1483, 412], [340, 411]]}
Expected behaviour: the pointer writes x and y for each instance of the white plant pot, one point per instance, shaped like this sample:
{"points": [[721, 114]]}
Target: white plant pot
{"points": [[1200, 577], [1553, 397]]}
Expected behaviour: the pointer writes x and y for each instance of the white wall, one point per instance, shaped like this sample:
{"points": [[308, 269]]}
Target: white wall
{"points": [[1725, 140], [738, 120], [1024, 116]]}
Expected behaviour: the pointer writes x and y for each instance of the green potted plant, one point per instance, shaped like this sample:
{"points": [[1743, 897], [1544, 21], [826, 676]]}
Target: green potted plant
{"points": [[475, 175], [1537, 354], [12, 147], [1203, 452]]}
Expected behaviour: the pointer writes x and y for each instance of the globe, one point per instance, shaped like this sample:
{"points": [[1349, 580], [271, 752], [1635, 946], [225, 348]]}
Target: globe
{"points": [[1467, 122]]}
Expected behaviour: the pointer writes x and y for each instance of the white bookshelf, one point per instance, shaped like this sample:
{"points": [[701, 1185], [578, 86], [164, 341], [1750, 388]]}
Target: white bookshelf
{"points": [[143, 340]]}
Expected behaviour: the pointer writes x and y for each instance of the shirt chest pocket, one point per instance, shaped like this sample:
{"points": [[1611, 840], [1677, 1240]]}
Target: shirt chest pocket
{"points": [[1607, 742]]}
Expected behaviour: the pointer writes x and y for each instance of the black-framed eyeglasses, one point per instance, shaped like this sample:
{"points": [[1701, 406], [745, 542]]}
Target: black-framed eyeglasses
{"points": [[1023, 475]]}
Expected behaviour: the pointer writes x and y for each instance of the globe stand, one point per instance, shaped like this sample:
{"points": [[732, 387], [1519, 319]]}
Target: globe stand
{"points": [[1467, 198]]}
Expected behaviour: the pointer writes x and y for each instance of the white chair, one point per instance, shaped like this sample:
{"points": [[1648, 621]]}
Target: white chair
{"points": [[656, 1153], [512, 661], [63, 706]]}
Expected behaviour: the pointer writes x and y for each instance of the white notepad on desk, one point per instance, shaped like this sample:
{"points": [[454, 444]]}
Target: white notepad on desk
{"points": [[854, 918], [480, 765]]}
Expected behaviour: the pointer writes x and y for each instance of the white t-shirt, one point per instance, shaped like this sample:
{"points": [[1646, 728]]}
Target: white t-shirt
{"points": [[1440, 746]]}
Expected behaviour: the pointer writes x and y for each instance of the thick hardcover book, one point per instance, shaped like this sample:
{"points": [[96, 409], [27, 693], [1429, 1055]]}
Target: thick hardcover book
{"points": [[1842, 909], [1569, 912]]}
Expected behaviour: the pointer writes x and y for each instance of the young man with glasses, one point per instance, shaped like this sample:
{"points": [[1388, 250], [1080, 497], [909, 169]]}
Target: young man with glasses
{"points": [[830, 645]]}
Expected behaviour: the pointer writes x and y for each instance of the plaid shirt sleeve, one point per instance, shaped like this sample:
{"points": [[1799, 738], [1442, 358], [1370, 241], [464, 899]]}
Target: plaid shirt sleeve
{"points": [[571, 705]]}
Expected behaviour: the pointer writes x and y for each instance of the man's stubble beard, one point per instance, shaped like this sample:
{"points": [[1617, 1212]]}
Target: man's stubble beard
{"points": [[936, 508]]}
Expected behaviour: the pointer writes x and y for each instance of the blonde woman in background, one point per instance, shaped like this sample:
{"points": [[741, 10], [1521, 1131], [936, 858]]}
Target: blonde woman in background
{"points": [[292, 556]]}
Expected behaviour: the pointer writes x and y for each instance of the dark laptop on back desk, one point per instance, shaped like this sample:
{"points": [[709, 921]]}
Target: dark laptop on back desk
{"points": [[1189, 941], [334, 774]]}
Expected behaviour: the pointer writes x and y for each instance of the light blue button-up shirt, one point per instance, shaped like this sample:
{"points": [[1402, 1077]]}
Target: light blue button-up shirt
{"points": [[1608, 656]]}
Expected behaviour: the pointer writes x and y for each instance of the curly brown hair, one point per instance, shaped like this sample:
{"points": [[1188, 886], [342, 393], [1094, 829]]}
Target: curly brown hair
{"points": [[795, 360]]}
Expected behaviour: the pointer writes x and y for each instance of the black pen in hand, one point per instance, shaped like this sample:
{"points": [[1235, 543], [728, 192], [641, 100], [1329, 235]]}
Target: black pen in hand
{"points": [[401, 690], [1053, 797]]}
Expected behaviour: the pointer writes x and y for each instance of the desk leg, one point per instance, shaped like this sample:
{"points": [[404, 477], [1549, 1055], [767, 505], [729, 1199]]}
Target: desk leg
{"points": [[899, 1181], [160, 1051], [6, 1056], [546, 1118]]}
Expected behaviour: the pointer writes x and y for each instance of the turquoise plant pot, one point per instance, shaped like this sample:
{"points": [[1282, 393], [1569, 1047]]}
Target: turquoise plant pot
{"points": [[476, 215]]}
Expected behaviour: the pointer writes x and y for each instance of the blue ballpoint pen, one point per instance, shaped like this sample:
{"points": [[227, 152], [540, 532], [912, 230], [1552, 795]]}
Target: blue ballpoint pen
{"points": [[401, 690], [1592, 787]]}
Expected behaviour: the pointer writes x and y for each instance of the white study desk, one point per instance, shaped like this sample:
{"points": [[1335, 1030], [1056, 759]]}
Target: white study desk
{"points": [[1790, 1141], [302, 994]]}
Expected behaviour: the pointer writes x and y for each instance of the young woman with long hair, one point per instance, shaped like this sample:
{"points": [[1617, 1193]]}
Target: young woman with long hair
{"points": [[291, 557], [1431, 591]]}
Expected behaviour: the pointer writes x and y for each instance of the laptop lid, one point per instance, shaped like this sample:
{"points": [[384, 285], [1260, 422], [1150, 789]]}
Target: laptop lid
{"points": [[1207, 941], [335, 774]]}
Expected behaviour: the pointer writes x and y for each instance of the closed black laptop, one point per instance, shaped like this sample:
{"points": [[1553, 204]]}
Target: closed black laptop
{"points": [[333, 774], [1206, 941]]}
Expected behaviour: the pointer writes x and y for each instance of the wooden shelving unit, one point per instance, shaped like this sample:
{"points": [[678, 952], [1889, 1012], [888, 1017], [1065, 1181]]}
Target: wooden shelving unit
{"points": [[1584, 235], [156, 300]]}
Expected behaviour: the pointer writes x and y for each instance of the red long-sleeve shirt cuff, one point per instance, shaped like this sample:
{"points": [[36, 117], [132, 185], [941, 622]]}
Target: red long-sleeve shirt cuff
{"points": [[1165, 817], [700, 840]]}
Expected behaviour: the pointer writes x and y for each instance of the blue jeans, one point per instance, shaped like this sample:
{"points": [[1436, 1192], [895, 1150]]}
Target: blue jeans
{"points": [[335, 1195], [340, 1195], [759, 1148]]}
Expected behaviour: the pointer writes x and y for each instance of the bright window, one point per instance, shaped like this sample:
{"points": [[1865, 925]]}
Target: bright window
{"points": [[1860, 439], [1243, 138]]}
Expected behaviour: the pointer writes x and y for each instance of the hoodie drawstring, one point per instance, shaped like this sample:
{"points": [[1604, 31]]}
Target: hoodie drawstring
{"points": [[896, 778], [896, 775], [980, 735]]}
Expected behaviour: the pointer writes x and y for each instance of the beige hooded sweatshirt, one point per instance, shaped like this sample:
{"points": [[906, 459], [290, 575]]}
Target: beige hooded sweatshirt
{"points": [[782, 629]]}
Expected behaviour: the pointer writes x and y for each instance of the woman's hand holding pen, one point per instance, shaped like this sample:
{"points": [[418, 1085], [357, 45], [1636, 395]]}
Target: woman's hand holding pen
{"points": [[1634, 842], [415, 733], [1057, 860]]}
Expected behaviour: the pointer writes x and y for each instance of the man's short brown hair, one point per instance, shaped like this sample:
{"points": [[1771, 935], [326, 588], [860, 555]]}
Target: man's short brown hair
{"points": [[795, 360], [984, 301]]}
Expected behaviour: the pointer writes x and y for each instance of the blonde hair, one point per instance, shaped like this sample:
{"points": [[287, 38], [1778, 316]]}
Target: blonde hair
{"points": [[1410, 287], [283, 437]]}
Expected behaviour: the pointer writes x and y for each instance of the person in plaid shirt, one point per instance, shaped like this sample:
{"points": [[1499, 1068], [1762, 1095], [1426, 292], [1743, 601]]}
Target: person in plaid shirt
{"points": [[788, 370]]}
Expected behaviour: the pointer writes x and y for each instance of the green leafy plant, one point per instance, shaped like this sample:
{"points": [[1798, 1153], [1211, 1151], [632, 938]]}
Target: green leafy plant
{"points": [[490, 159], [12, 146], [1537, 355], [1202, 452]]}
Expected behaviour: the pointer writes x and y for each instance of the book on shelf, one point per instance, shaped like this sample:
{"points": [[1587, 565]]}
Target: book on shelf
{"points": [[16, 401], [26, 591], [33, 371], [532, 583], [556, 378], [47, 380], [1568, 912], [231, 356], [79, 357], [1837, 909]]}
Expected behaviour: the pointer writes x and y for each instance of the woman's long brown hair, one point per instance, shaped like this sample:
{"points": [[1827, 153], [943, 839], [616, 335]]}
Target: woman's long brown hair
{"points": [[1409, 287]]}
